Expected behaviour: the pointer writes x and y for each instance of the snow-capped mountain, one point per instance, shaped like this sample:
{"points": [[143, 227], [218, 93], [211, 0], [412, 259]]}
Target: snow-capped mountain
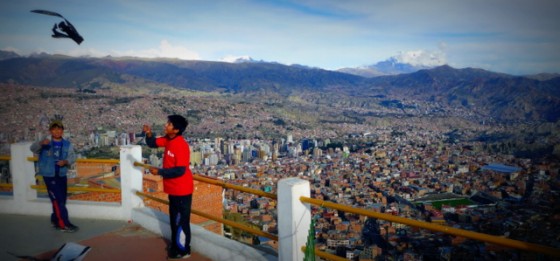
{"points": [[390, 66]]}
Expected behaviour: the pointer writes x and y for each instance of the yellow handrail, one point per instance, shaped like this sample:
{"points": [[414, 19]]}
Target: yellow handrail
{"points": [[236, 187], [223, 184], [439, 228], [325, 255], [80, 189], [6, 185], [74, 189], [5, 157], [114, 161], [217, 219], [415, 223]]}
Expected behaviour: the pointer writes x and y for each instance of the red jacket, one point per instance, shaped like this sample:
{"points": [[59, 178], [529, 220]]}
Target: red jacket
{"points": [[176, 154]]}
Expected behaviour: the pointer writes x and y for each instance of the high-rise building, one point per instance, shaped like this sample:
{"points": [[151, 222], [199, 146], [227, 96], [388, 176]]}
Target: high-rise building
{"points": [[317, 153], [124, 139], [218, 144], [236, 157], [196, 158], [247, 154], [224, 147], [263, 155], [212, 159], [306, 144]]}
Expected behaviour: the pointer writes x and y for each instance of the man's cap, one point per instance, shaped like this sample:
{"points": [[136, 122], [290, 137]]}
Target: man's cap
{"points": [[56, 123]]}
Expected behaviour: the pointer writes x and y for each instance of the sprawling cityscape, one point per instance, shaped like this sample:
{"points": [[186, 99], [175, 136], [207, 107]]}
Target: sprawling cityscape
{"points": [[426, 168]]}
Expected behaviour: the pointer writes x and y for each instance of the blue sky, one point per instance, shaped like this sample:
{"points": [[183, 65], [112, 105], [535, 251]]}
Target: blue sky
{"points": [[511, 36]]}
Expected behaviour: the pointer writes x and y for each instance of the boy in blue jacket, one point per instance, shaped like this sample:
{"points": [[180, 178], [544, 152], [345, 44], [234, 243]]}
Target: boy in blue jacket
{"points": [[56, 155]]}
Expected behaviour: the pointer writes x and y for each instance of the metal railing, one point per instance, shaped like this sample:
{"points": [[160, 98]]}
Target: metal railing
{"points": [[82, 189], [502, 241], [217, 219], [79, 189], [325, 255], [438, 228], [221, 183], [214, 218], [410, 222], [43, 188], [114, 161]]}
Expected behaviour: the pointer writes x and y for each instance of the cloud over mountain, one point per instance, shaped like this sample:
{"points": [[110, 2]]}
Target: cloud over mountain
{"points": [[404, 62], [237, 59], [166, 50], [422, 58]]}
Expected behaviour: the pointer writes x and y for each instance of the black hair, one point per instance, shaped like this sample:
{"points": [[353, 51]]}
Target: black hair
{"points": [[179, 122]]}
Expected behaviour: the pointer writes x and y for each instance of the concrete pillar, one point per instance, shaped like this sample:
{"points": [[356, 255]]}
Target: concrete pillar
{"points": [[294, 218], [131, 179], [23, 173]]}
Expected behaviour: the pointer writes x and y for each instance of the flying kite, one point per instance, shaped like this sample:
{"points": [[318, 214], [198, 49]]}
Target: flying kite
{"points": [[64, 26]]}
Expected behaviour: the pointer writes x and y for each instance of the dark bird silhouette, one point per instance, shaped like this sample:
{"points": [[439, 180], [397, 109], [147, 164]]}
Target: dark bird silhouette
{"points": [[64, 29]]}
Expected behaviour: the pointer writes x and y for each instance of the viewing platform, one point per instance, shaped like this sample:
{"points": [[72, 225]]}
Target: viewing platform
{"points": [[24, 235], [130, 230], [25, 220]]}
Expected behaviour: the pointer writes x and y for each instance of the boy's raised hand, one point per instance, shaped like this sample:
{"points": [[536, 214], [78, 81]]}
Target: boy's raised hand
{"points": [[147, 129]]}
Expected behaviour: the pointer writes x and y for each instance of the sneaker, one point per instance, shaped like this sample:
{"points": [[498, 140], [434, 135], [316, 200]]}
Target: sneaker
{"points": [[175, 255], [69, 229], [178, 256]]}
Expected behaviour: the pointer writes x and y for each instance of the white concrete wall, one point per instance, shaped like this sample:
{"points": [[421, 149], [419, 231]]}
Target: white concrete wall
{"points": [[131, 179], [25, 201], [209, 244], [294, 218]]}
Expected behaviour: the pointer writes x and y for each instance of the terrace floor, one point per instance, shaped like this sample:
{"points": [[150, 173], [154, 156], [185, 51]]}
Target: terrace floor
{"points": [[33, 236]]}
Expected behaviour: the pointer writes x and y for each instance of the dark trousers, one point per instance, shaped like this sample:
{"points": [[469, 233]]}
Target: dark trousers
{"points": [[57, 189], [179, 220]]}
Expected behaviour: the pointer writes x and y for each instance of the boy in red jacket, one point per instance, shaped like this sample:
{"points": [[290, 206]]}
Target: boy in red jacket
{"points": [[177, 182]]}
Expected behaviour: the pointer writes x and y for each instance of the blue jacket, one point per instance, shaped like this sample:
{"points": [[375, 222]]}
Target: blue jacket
{"points": [[47, 160]]}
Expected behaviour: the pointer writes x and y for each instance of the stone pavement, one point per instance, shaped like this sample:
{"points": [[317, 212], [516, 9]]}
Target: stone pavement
{"points": [[109, 239]]}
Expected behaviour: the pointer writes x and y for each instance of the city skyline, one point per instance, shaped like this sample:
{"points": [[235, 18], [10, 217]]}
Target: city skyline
{"points": [[404, 159], [503, 36]]}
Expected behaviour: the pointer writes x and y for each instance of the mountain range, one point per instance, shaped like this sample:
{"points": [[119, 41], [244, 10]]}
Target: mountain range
{"points": [[497, 96]]}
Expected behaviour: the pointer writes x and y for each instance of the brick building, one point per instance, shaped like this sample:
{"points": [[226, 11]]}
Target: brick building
{"points": [[207, 198]]}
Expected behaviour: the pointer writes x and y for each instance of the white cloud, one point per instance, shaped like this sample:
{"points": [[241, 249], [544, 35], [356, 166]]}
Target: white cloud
{"points": [[164, 50], [11, 49], [232, 58], [84, 52], [167, 50], [423, 57]]}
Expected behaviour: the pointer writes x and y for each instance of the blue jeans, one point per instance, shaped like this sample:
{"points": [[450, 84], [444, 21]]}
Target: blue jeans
{"points": [[57, 189], [180, 222]]}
